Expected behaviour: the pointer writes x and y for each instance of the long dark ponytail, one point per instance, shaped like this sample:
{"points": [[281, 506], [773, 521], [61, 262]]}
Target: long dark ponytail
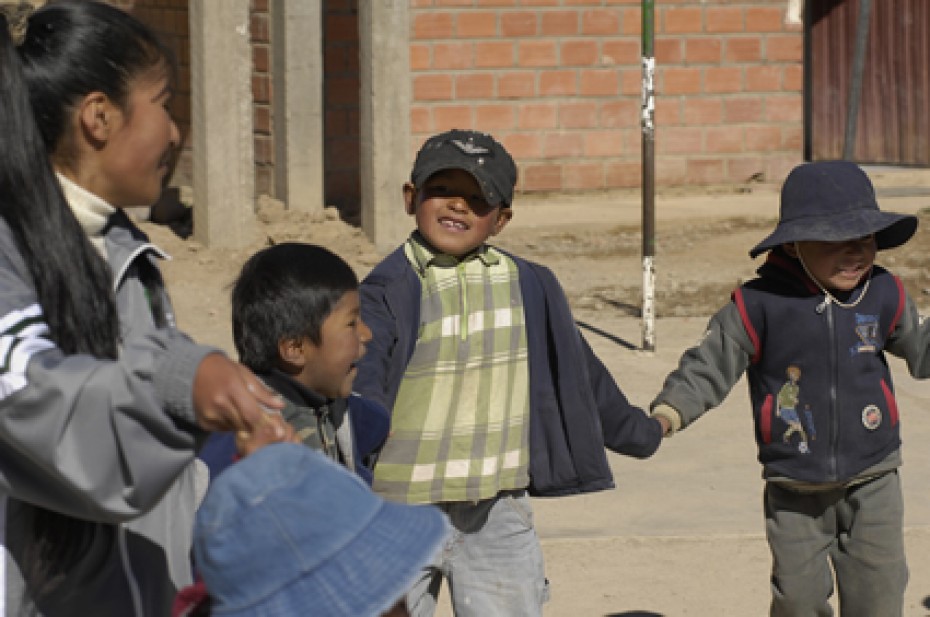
{"points": [[69, 50], [82, 317]]}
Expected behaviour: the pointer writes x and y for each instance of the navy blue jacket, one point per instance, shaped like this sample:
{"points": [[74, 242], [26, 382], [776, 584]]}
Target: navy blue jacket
{"points": [[369, 422], [840, 420], [576, 408], [844, 407]]}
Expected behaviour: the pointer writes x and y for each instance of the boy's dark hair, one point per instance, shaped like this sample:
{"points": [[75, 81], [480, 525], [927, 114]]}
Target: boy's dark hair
{"points": [[285, 291]]}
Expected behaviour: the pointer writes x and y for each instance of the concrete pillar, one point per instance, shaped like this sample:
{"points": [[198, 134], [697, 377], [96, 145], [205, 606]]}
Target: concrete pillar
{"points": [[297, 58], [385, 119], [221, 126]]}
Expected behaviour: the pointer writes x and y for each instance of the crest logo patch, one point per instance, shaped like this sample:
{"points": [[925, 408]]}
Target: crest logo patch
{"points": [[867, 332], [871, 417]]}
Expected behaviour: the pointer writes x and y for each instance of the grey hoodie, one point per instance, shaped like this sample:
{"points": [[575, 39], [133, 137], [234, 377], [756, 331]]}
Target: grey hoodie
{"points": [[108, 441]]}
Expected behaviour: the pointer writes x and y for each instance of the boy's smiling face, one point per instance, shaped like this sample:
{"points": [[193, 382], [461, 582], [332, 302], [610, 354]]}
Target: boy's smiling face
{"points": [[837, 266], [452, 214], [329, 368]]}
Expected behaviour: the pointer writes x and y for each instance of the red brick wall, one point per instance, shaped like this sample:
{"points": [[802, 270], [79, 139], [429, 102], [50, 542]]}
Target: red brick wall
{"points": [[170, 20], [559, 82]]}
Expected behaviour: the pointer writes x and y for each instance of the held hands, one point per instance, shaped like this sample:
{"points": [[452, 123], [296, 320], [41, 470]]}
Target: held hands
{"points": [[664, 423], [228, 397], [668, 418]]}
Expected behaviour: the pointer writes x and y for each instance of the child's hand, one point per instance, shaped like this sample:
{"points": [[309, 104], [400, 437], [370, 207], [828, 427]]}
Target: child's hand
{"points": [[249, 443], [228, 397], [668, 418], [664, 423]]}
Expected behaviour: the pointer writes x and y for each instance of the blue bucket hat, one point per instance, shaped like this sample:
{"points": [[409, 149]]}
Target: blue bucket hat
{"points": [[833, 201], [286, 531]]}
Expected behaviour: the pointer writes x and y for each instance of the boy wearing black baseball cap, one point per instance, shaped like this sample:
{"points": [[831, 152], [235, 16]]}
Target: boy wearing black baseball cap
{"points": [[810, 333], [494, 392]]}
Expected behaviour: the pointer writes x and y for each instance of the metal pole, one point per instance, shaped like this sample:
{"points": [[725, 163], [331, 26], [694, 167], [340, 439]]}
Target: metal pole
{"points": [[855, 83], [648, 181]]}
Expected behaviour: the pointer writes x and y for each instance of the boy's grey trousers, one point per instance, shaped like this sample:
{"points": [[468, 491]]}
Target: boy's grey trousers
{"points": [[858, 529]]}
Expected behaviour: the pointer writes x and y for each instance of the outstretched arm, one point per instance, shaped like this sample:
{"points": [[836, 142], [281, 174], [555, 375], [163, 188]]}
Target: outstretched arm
{"points": [[104, 439], [910, 340], [706, 372], [627, 429]]}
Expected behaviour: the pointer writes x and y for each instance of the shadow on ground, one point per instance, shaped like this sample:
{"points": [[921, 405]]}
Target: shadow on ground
{"points": [[607, 335]]}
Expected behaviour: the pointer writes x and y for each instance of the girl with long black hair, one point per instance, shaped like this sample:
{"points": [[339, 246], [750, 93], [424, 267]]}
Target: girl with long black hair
{"points": [[102, 400]]}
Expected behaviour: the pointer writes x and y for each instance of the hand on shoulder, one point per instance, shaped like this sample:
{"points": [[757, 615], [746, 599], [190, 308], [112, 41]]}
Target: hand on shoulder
{"points": [[229, 397]]}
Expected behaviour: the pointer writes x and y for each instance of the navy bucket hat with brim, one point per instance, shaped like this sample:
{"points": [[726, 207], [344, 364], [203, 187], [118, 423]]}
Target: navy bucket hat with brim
{"points": [[833, 201]]}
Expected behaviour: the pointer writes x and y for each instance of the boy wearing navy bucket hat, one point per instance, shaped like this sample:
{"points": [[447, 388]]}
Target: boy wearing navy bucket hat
{"points": [[494, 393], [810, 333]]}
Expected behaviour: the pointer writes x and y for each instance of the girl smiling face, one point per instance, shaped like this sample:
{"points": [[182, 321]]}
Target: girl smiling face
{"points": [[133, 157], [452, 213], [122, 150]]}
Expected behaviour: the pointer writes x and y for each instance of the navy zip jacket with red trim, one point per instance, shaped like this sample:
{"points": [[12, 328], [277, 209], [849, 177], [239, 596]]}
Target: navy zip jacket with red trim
{"points": [[822, 396]]}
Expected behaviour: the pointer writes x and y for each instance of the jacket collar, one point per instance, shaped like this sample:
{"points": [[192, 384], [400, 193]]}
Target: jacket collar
{"points": [[422, 256], [124, 243], [109, 229], [302, 396], [291, 389], [780, 266]]}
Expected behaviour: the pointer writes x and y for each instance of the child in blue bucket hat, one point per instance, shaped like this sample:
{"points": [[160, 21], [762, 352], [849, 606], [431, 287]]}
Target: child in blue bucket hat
{"points": [[810, 334], [287, 531]]}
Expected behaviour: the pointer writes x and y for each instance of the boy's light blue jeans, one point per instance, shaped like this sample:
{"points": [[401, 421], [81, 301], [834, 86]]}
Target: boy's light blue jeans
{"points": [[858, 529], [493, 561]]}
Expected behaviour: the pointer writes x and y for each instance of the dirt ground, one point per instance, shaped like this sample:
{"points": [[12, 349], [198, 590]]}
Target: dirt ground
{"points": [[682, 533], [592, 242]]}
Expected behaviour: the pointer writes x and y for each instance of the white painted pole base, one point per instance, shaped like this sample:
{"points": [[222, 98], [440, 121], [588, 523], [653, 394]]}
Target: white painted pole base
{"points": [[649, 308]]}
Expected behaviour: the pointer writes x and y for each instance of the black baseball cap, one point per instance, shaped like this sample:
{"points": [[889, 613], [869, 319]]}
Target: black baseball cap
{"points": [[475, 152]]}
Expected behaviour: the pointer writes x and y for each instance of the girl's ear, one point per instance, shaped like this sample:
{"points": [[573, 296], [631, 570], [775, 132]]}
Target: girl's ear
{"points": [[791, 248], [96, 114], [410, 197]]}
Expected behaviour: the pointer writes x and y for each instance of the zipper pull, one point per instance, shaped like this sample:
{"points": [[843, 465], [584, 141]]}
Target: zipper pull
{"points": [[823, 305]]}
